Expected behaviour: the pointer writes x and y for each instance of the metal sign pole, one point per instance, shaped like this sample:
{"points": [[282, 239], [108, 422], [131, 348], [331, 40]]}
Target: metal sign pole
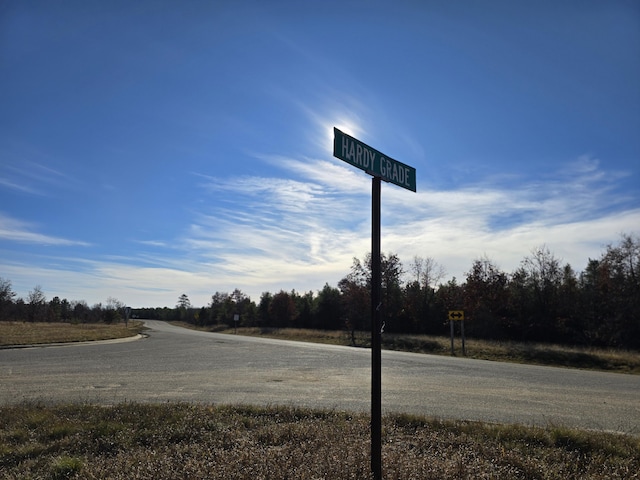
{"points": [[376, 331], [451, 324]]}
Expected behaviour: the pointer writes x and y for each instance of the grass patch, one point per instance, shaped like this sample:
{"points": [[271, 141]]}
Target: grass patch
{"points": [[66, 467], [243, 442], [610, 360], [35, 333]]}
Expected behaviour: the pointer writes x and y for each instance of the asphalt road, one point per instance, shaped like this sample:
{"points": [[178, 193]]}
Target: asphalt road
{"points": [[176, 364]]}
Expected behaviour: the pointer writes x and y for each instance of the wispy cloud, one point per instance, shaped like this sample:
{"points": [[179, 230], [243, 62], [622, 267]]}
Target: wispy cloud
{"points": [[18, 186], [269, 233], [15, 230], [26, 169], [320, 220], [153, 243]]}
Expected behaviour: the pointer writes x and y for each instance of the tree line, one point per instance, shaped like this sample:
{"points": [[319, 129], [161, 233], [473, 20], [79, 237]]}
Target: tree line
{"points": [[36, 308], [543, 300]]}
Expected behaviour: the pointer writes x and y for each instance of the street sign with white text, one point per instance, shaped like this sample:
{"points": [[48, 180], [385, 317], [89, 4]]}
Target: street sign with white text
{"points": [[361, 155]]}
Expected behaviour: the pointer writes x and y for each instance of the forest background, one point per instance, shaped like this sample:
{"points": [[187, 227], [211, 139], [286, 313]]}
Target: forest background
{"points": [[543, 300]]}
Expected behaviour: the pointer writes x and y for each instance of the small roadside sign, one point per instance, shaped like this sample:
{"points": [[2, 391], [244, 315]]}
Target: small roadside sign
{"points": [[455, 316]]}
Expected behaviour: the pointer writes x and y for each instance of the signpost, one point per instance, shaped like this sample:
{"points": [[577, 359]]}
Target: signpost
{"points": [[381, 167], [457, 315]]}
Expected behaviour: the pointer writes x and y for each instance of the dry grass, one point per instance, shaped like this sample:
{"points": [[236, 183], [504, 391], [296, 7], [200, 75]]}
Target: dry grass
{"points": [[620, 361], [180, 441], [25, 333]]}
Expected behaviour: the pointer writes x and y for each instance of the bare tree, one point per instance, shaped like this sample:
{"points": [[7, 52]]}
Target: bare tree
{"points": [[427, 271], [113, 310], [36, 302], [6, 298], [6, 291], [420, 293], [538, 281]]}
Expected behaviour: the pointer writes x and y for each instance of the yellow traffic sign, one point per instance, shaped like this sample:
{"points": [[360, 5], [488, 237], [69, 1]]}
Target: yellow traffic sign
{"points": [[456, 314]]}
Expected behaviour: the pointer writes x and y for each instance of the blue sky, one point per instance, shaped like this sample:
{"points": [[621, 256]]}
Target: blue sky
{"points": [[149, 149]]}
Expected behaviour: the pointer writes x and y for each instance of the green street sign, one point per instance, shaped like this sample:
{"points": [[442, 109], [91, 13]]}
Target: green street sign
{"points": [[361, 155]]}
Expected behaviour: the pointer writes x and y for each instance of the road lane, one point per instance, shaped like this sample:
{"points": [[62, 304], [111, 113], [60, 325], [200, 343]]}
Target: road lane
{"points": [[176, 364]]}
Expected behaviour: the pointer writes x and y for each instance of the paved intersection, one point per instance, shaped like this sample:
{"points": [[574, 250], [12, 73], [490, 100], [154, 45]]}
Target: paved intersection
{"points": [[176, 364]]}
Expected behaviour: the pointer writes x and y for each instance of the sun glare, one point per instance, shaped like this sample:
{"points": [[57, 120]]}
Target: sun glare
{"points": [[346, 126]]}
